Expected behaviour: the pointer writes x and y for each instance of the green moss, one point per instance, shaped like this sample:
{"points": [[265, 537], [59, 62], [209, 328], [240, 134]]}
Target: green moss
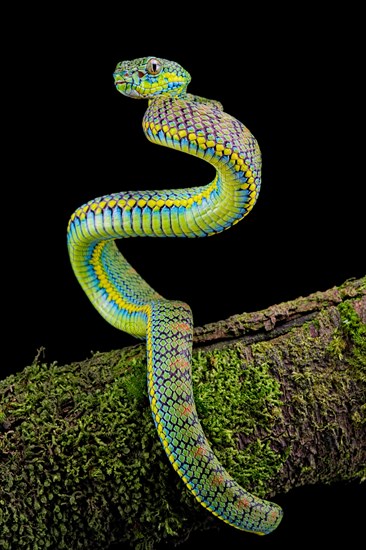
{"points": [[348, 343], [354, 332], [233, 398], [337, 346], [320, 368], [74, 451]]}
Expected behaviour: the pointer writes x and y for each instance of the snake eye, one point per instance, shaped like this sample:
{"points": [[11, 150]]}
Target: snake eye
{"points": [[153, 66]]}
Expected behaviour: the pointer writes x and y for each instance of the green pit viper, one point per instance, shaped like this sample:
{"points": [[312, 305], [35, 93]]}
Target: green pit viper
{"points": [[198, 126]]}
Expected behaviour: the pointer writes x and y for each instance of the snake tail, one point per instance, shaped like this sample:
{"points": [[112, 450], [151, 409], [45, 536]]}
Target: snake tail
{"points": [[180, 431], [198, 126]]}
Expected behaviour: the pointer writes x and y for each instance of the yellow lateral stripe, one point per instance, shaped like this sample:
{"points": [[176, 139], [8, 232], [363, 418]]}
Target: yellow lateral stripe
{"points": [[104, 282]]}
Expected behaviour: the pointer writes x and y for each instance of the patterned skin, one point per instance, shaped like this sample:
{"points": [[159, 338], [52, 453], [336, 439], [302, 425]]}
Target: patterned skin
{"points": [[200, 127]]}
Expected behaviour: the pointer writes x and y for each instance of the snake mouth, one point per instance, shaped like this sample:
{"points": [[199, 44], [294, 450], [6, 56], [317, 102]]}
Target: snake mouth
{"points": [[126, 88]]}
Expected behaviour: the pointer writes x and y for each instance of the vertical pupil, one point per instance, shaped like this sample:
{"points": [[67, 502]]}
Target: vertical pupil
{"points": [[154, 67]]}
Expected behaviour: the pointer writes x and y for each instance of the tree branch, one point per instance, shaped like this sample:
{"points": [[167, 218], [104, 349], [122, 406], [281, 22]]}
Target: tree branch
{"points": [[281, 394]]}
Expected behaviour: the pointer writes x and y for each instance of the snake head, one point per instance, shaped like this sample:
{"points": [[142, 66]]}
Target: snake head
{"points": [[148, 77]]}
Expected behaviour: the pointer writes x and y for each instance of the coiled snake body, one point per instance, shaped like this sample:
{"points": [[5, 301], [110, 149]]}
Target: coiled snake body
{"points": [[198, 126]]}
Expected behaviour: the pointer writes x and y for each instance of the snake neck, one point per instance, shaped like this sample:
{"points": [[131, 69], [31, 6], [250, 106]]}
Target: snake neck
{"points": [[206, 131]]}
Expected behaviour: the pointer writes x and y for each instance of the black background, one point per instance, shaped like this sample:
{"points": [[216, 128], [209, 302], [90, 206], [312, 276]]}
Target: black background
{"points": [[293, 78]]}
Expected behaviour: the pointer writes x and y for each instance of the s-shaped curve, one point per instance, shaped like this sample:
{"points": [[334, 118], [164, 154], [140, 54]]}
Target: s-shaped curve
{"points": [[200, 127]]}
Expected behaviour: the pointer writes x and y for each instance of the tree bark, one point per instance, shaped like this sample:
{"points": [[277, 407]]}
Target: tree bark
{"points": [[281, 394]]}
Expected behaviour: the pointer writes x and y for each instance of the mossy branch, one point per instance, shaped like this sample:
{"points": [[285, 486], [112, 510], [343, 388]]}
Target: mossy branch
{"points": [[281, 394]]}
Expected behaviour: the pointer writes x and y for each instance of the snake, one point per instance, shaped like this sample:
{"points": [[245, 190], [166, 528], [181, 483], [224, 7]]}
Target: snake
{"points": [[200, 127]]}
